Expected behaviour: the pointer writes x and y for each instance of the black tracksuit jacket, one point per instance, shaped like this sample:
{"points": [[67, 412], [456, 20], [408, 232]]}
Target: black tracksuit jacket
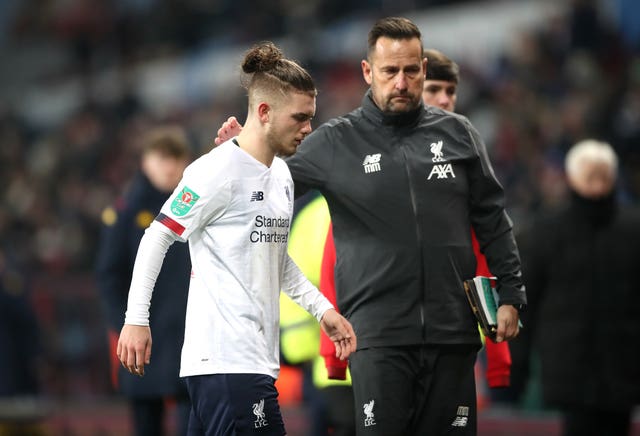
{"points": [[404, 191]]}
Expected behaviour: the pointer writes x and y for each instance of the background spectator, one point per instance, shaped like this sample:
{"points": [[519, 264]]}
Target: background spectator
{"points": [[579, 263], [164, 156]]}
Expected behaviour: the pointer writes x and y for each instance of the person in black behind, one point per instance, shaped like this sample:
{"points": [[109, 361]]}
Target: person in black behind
{"points": [[165, 155], [580, 265], [22, 407]]}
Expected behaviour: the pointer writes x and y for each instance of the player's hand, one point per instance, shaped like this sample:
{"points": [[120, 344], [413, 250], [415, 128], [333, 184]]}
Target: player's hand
{"points": [[134, 348], [339, 330], [228, 130], [508, 327]]}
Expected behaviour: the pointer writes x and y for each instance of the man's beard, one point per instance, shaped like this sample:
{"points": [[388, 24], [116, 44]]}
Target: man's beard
{"points": [[414, 102]]}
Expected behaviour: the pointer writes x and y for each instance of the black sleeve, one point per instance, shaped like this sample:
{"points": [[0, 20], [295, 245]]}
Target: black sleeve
{"points": [[114, 268], [492, 224]]}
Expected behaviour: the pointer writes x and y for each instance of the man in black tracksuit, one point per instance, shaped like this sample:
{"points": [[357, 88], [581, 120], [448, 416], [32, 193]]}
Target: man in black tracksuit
{"points": [[404, 183]]}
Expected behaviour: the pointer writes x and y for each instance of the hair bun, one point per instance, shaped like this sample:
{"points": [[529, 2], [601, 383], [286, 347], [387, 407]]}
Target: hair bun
{"points": [[261, 57]]}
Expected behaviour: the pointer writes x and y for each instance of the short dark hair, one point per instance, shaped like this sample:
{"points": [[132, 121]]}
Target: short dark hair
{"points": [[268, 69], [440, 67], [394, 28], [170, 140]]}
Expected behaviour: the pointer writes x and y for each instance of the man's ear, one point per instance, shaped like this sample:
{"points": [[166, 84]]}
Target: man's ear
{"points": [[263, 112], [366, 71]]}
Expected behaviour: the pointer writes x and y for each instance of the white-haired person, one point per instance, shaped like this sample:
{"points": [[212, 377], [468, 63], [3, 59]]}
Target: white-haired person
{"points": [[580, 264]]}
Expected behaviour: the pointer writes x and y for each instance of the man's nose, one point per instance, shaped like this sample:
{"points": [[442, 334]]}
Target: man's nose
{"points": [[401, 82]]}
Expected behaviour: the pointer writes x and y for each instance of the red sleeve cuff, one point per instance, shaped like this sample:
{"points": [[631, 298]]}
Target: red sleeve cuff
{"points": [[337, 372], [498, 380]]}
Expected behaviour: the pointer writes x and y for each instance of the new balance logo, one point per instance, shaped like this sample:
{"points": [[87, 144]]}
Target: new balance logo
{"points": [[460, 421], [257, 196], [442, 171], [371, 163], [462, 417]]}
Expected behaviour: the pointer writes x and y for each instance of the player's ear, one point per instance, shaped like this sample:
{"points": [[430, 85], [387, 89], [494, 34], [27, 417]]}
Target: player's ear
{"points": [[263, 111], [366, 71]]}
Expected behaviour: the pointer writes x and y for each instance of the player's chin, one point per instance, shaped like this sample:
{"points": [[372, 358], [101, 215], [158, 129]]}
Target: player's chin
{"points": [[288, 150]]}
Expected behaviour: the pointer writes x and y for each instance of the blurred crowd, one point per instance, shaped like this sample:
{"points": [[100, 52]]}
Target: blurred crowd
{"points": [[575, 76]]}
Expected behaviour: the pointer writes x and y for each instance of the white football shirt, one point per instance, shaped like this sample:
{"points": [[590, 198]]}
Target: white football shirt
{"points": [[235, 212]]}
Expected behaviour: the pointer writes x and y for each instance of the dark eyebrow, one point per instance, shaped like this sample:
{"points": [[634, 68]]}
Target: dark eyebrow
{"points": [[395, 68], [301, 116]]}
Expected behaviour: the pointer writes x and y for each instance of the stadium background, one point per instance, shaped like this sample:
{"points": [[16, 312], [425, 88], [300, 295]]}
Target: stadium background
{"points": [[80, 79]]}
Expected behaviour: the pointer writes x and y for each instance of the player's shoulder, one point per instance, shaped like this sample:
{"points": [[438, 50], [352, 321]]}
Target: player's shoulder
{"points": [[221, 153], [212, 162]]}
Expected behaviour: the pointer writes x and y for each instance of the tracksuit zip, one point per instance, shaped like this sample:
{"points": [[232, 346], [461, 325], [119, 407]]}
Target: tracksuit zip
{"points": [[414, 206]]}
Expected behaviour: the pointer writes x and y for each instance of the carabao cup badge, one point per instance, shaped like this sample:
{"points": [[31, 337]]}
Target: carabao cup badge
{"points": [[184, 201]]}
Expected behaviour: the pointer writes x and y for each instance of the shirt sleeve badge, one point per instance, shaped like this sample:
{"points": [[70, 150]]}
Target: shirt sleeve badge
{"points": [[184, 201]]}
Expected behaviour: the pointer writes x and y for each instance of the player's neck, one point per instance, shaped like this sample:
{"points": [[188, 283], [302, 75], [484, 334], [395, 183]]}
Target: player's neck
{"points": [[254, 143]]}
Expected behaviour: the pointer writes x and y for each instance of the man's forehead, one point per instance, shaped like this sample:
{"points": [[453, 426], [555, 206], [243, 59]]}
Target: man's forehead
{"points": [[405, 51]]}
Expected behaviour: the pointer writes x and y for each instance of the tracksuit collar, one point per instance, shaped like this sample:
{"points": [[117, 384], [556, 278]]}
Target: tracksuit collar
{"points": [[373, 112]]}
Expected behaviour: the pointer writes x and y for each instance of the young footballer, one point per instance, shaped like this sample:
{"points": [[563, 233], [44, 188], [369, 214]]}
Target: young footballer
{"points": [[234, 207]]}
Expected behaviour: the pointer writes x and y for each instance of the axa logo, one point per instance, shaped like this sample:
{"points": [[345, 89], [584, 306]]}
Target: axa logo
{"points": [[371, 163], [258, 411], [369, 418], [462, 417], [257, 196], [440, 170]]}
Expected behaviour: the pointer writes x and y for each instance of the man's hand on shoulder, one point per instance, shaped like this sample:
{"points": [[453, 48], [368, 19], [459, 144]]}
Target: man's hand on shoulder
{"points": [[228, 130]]}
